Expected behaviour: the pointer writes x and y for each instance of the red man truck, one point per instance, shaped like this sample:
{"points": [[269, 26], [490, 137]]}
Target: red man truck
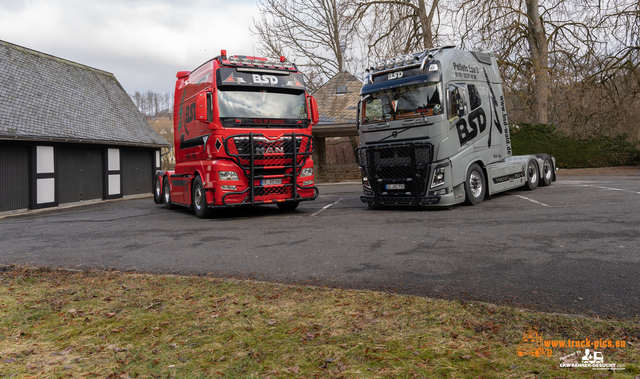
{"points": [[242, 136]]}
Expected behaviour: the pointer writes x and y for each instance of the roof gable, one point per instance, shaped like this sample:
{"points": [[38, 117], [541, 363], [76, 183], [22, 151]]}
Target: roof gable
{"points": [[338, 98], [45, 97]]}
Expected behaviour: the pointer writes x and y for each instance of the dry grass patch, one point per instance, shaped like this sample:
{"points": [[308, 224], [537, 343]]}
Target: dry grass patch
{"points": [[59, 324]]}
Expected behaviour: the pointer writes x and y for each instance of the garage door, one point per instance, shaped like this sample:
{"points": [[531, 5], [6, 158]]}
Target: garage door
{"points": [[137, 171], [79, 174], [14, 178]]}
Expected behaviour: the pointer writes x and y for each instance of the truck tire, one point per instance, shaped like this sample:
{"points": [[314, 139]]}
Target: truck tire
{"points": [[167, 194], [533, 177], [474, 187], [288, 206], [200, 200], [157, 190], [546, 175]]}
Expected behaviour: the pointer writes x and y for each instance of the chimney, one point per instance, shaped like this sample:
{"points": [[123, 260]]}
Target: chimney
{"points": [[343, 48]]}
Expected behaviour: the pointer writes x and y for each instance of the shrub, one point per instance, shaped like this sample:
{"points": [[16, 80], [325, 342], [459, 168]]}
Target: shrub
{"points": [[573, 152]]}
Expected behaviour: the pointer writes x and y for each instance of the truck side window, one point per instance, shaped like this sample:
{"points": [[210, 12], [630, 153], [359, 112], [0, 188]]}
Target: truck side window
{"points": [[209, 106], [457, 103], [372, 110], [474, 97]]}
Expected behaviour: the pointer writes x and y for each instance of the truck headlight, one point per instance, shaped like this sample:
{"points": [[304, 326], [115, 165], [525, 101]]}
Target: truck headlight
{"points": [[438, 177], [228, 175], [365, 182], [307, 172]]}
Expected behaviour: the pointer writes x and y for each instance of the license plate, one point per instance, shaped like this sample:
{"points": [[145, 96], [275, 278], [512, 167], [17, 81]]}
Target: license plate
{"points": [[394, 186], [271, 182]]}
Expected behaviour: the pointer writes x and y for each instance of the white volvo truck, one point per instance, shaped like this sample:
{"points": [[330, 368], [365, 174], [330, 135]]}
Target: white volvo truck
{"points": [[433, 131]]}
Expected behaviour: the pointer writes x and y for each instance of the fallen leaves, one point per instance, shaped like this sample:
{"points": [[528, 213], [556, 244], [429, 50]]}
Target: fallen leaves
{"points": [[279, 331]]}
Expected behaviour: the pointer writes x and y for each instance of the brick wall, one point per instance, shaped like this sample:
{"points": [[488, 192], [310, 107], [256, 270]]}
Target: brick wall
{"points": [[338, 173]]}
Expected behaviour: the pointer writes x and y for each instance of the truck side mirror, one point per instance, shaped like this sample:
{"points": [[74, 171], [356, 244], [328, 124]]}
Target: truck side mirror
{"points": [[315, 114], [204, 111], [358, 115]]}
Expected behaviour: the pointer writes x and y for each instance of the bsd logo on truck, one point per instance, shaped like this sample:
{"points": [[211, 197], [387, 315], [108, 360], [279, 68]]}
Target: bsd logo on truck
{"points": [[395, 75], [265, 79]]}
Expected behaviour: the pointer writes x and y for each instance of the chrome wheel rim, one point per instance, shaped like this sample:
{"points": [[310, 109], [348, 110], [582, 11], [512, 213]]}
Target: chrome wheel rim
{"points": [[533, 174], [547, 170], [197, 197], [475, 184], [166, 194], [158, 192]]}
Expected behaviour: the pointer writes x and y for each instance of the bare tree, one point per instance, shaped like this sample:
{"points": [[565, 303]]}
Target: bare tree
{"points": [[393, 27], [533, 40], [307, 31], [152, 104]]}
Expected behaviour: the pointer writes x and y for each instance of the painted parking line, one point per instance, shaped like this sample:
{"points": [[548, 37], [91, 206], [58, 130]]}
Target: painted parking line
{"points": [[585, 184], [325, 207], [531, 200], [611, 189]]}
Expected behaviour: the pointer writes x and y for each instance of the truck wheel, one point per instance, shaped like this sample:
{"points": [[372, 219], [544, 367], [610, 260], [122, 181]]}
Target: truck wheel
{"points": [[288, 206], [532, 175], [167, 195], [157, 190], [547, 171], [200, 200], [474, 187]]}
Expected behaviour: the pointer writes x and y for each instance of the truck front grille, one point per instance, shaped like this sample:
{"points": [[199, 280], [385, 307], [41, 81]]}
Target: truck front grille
{"points": [[264, 152], [263, 158], [399, 169]]}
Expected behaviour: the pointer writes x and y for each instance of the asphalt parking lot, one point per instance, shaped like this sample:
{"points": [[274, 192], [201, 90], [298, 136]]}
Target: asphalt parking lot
{"points": [[572, 247]]}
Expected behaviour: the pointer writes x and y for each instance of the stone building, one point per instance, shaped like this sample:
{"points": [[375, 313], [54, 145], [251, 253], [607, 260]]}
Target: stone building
{"points": [[337, 103]]}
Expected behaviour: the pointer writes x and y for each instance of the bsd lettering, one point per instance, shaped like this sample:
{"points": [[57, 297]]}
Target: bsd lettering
{"points": [[265, 79], [395, 75], [190, 113]]}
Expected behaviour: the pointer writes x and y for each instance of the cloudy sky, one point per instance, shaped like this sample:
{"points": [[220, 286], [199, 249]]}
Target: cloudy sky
{"points": [[143, 42]]}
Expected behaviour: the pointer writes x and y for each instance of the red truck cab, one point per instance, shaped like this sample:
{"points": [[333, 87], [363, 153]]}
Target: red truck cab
{"points": [[242, 136]]}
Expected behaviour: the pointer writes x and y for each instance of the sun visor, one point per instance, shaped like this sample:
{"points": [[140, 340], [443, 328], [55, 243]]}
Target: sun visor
{"points": [[383, 82], [259, 78]]}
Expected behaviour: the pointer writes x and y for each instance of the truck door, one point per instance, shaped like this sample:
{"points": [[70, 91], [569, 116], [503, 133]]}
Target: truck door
{"points": [[457, 115]]}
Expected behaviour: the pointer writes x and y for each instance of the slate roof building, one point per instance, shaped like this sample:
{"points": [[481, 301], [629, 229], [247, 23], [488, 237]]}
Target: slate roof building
{"points": [[337, 104], [68, 133]]}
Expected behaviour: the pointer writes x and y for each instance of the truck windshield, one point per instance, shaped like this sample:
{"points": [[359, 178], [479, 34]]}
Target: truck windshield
{"points": [[262, 104], [404, 102]]}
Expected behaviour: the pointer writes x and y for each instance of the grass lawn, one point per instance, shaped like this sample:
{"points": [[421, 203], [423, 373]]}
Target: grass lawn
{"points": [[60, 324]]}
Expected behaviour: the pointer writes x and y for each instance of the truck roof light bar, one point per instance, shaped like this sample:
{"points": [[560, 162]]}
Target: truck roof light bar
{"points": [[406, 61], [263, 70], [241, 60]]}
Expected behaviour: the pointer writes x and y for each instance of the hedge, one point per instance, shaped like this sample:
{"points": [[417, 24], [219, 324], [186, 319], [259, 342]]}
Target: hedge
{"points": [[573, 152]]}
